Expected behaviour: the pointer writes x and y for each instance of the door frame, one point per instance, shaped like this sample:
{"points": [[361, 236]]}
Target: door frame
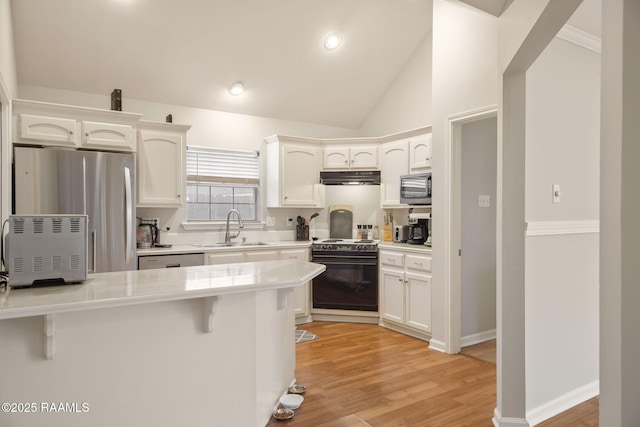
{"points": [[5, 152], [453, 225]]}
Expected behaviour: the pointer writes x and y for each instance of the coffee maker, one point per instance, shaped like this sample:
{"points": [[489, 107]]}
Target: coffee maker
{"points": [[418, 228]]}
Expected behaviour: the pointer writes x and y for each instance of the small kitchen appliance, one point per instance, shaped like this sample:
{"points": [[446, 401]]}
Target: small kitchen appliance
{"points": [[416, 189], [47, 249], [147, 233], [418, 228], [400, 233]]}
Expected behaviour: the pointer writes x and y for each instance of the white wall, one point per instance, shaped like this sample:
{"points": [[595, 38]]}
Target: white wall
{"points": [[465, 39], [407, 102], [209, 128], [478, 236], [561, 282], [8, 74]]}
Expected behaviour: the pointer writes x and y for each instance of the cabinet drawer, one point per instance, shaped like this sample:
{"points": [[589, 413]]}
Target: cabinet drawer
{"points": [[392, 258], [419, 262]]}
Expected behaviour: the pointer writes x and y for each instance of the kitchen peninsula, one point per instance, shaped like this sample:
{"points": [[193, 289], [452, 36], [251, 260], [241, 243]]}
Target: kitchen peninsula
{"points": [[207, 345]]}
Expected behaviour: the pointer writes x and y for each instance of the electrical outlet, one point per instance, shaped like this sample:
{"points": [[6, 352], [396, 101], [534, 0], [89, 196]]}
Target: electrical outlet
{"points": [[483, 201], [289, 222], [271, 221]]}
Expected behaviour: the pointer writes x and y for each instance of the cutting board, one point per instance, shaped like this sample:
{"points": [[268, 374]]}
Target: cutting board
{"points": [[341, 221]]}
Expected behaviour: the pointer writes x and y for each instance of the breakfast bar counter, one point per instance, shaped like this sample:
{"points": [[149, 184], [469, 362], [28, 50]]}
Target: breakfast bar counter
{"points": [[206, 345]]}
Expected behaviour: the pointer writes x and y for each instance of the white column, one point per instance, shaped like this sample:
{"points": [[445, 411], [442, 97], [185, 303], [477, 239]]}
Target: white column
{"points": [[620, 215]]}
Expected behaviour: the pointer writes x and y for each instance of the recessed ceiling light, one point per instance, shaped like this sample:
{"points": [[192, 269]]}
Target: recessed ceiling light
{"points": [[236, 89], [332, 41]]}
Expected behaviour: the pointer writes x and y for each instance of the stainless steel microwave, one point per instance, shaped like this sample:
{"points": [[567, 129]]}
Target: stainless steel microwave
{"points": [[416, 189]]}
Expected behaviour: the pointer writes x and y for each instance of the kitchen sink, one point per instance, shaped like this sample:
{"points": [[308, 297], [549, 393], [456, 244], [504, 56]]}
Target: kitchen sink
{"points": [[224, 245]]}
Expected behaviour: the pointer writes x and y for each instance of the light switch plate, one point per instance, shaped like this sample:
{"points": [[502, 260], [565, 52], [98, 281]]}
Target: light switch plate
{"points": [[484, 201], [555, 192], [289, 222], [271, 221]]}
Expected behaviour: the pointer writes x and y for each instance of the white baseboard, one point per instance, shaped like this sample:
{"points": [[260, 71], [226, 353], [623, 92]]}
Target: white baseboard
{"points": [[478, 338], [437, 345], [424, 336], [500, 421], [562, 403]]}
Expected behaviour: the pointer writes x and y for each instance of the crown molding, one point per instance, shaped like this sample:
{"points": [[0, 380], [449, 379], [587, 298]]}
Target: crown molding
{"points": [[580, 38]]}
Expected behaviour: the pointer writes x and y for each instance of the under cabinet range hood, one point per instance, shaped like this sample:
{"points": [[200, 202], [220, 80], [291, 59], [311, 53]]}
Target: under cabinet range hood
{"points": [[350, 178]]}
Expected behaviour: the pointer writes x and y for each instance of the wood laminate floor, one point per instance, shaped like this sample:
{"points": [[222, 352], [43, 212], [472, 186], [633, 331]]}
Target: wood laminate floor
{"points": [[360, 375]]}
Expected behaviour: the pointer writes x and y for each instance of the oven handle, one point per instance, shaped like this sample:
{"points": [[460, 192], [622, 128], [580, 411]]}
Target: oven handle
{"points": [[345, 262]]}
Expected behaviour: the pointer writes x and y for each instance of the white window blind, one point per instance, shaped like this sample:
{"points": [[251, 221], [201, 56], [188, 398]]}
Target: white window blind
{"points": [[222, 165]]}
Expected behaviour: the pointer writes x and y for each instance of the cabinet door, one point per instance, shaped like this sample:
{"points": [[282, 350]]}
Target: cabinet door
{"points": [[48, 130], [335, 158], [418, 313], [300, 176], [364, 158], [261, 256], [392, 297], [393, 163], [420, 153], [161, 176], [108, 136], [301, 294], [226, 258]]}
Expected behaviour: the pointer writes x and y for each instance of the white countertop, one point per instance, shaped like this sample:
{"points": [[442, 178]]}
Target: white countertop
{"points": [[185, 249], [405, 247], [103, 290]]}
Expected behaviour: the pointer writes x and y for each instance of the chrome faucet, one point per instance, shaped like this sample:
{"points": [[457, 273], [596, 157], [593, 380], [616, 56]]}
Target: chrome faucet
{"points": [[227, 235]]}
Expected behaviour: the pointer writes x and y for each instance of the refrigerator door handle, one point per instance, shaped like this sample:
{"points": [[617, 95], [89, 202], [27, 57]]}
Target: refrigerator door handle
{"points": [[129, 213], [93, 255]]}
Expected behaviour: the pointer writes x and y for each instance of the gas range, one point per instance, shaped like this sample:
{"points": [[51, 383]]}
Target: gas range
{"points": [[345, 245]]}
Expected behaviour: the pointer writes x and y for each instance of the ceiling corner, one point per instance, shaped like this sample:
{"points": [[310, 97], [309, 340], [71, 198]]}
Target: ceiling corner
{"points": [[493, 7]]}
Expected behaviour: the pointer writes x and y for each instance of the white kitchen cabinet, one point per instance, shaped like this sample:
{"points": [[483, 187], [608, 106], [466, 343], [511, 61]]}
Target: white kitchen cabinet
{"points": [[405, 294], [107, 136], [223, 258], [301, 294], [293, 173], [394, 162], [261, 256], [47, 130], [161, 164], [48, 124], [420, 153], [358, 157]]}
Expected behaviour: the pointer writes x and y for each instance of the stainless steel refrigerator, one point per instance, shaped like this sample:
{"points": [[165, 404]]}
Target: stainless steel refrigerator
{"points": [[98, 184]]}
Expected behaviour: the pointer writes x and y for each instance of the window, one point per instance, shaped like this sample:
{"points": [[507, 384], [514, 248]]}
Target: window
{"points": [[219, 180]]}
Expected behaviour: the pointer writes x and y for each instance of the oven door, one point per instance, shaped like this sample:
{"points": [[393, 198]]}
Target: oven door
{"points": [[349, 283]]}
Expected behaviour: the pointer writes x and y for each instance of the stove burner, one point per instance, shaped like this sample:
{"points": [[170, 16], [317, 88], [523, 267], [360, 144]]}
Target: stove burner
{"points": [[363, 241], [332, 240]]}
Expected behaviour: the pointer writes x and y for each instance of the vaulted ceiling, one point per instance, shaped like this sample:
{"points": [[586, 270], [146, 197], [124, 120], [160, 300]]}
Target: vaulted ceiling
{"points": [[188, 52]]}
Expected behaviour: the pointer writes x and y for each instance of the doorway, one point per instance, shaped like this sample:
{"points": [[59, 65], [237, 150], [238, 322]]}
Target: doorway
{"points": [[473, 139]]}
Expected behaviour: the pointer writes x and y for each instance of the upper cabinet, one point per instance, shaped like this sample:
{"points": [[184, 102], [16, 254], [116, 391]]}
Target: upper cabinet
{"points": [[405, 154], [394, 162], [46, 124], [354, 157], [293, 173], [420, 153], [161, 164], [107, 136]]}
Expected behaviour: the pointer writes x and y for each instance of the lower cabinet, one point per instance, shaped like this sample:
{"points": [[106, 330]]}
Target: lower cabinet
{"points": [[405, 292], [301, 295]]}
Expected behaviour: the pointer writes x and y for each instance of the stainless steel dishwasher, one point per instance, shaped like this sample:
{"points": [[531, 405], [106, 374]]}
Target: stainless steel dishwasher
{"points": [[148, 262]]}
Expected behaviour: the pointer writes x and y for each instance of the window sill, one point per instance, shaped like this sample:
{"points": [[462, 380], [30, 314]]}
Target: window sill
{"points": [[220, 225]]}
